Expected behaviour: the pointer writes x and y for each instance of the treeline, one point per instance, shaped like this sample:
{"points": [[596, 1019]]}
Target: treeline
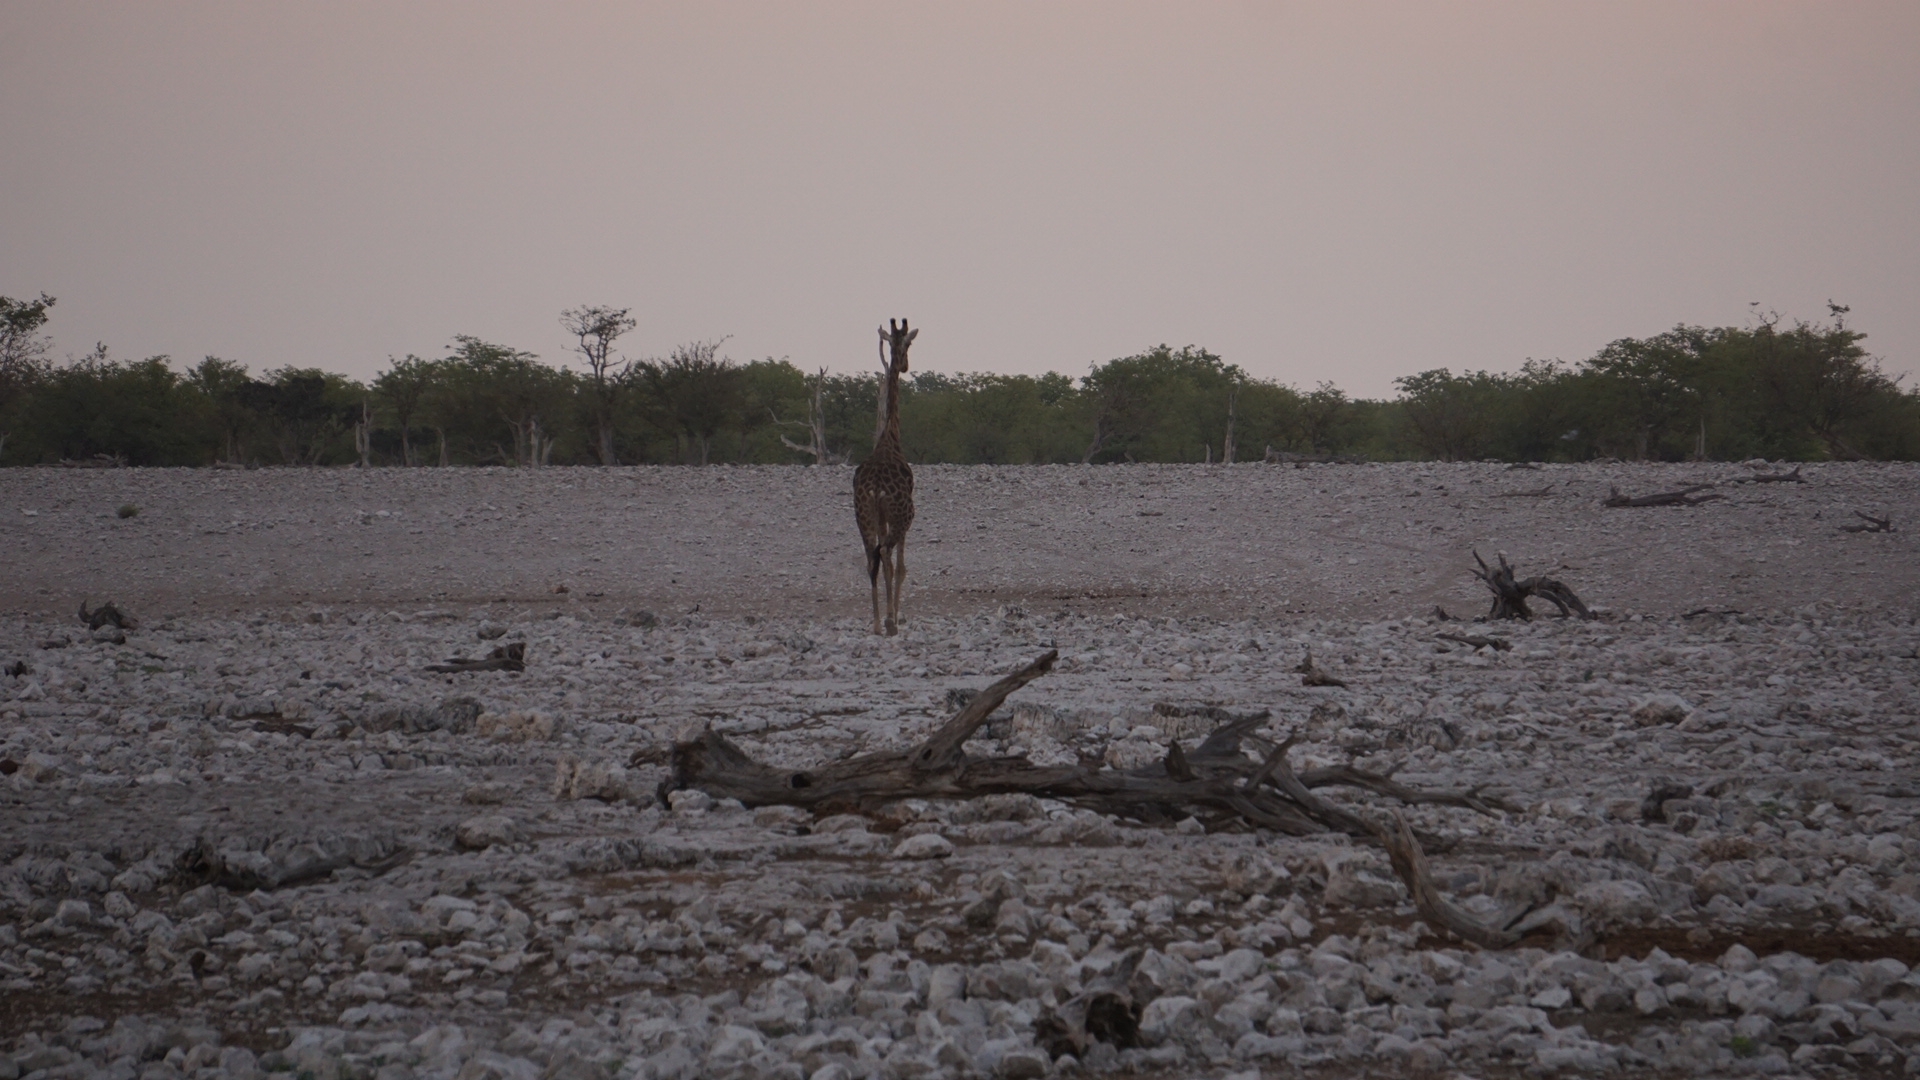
{"points": [[1804, 391]]}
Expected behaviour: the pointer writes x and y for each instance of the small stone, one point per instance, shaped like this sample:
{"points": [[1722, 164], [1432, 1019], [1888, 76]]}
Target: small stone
{"points": [[1553, 997], [689, 801], [924, 846], [1660, 709], [1738, 960], [1024, 1063], [479, 833], [1165, 1018]]}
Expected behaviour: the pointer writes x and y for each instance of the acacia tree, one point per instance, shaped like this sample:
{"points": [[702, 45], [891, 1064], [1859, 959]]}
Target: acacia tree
{"points": [[1449, 413], [1653, 384], [597, 328], [221, 385], [1818, 379], [696, 391], [512, 385], [404, 387], [23, 353]]}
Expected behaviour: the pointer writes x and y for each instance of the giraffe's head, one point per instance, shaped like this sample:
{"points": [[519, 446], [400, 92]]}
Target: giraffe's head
{"points": [[897, 337]]}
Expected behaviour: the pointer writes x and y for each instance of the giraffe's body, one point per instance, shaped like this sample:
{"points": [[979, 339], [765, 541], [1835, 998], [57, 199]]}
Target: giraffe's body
{"points": [[883, 492]]}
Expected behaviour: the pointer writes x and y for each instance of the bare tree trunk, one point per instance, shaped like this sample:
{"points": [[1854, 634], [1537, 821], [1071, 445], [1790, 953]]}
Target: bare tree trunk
{"points": [[442, 432], [1226, 448], [816, 423], [539, 445], [817, 417], [362, 437], [605, 442], [1093, 448]]}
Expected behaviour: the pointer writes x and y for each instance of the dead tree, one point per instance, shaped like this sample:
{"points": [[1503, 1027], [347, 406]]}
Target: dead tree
{"points": [[1869, 523], [816, 423], [105, 615], [1684, 497], [1216, 781], [1510, 594]]}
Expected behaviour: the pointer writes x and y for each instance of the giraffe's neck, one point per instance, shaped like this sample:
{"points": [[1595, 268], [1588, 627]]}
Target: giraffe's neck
{"points": [[890, 431]]}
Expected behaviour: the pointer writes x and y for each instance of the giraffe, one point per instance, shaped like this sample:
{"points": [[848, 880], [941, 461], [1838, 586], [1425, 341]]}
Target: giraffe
{"points": [[883, 488]]}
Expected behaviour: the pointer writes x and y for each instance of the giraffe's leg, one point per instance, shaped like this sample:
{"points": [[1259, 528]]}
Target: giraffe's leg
{"points": [[899, 591], [886, 570], [874, 561]]}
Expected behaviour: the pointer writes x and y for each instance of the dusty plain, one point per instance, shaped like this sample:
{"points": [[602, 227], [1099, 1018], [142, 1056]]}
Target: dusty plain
{"points": [[253, 835]]}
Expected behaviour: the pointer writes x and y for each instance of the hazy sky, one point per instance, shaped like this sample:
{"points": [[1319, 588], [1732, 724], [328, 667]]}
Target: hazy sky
{"points": [[1345, 192]]}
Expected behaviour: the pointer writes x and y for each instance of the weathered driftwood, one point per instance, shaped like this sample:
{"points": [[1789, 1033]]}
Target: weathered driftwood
{"points": [[1411, 864], [1215, 781], [509, 657], [1684, 497], [1699, 611], [105, 615], [1478, 641], [205, 863], [1869, 524], [1510, 593]]}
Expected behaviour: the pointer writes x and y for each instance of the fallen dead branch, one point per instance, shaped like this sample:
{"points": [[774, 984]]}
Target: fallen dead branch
{"points": [[509, 657], [1478, 641], [1510, 594], [1216, 780], [1411, 864], [203, 862], [1540, 494], [1869, 524], [1684, 497], [1699, 611], [97, 461], [1793, 477], [105, 615]]}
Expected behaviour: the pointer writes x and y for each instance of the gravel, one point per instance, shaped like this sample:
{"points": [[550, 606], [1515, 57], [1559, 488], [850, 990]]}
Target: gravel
{"points": [[252, 836]]}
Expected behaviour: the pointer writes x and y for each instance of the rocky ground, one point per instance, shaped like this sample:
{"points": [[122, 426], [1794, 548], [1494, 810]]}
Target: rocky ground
{"points": [[253, 834]]}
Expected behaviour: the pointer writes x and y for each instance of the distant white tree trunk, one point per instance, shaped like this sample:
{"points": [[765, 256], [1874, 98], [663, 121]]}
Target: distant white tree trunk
{"points": [[1226, 448], [363, 434], [816, 423]]}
